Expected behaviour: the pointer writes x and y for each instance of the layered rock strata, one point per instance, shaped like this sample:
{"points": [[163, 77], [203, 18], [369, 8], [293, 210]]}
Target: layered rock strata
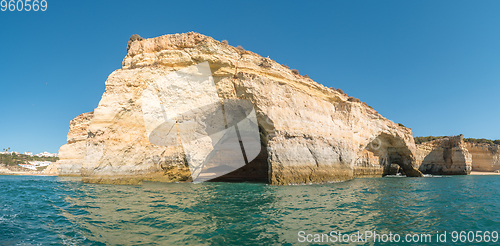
{"points": [[309, 133], [485, 157], [72, 154], [448, 156]]}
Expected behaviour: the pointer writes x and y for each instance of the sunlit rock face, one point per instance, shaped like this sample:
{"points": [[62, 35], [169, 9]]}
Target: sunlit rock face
{"points": [[51, 170], [386, 155], [71, 155], [308, 133], [485, 157], [444, 156]]}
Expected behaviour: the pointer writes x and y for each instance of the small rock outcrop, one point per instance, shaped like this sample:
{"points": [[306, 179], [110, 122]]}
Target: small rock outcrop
{"points": [[309, 133], [446, 156], [51, 170], [132, 39], [71, 155]]}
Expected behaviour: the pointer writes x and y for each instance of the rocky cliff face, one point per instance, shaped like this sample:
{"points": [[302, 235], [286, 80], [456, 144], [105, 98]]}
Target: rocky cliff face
{"points": [[485, 157], [71, 155], [447, 156], [309, 133]]}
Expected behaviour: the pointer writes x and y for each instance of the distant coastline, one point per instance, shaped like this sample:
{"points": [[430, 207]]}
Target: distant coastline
{"points": [[17, 170], [13, 163]]}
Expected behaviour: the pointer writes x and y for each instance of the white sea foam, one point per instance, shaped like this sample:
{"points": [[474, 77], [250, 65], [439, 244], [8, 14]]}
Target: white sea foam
{"points": [[435, 176], [399, 175]]}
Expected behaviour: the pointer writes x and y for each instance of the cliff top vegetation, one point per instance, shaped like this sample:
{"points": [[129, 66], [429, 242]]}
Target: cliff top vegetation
{"points": [[419, 140]]}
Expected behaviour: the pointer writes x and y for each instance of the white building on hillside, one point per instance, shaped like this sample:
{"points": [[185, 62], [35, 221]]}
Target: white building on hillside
{"points": [[40, 163], [29, 166], [33, 165], [46, 154]]}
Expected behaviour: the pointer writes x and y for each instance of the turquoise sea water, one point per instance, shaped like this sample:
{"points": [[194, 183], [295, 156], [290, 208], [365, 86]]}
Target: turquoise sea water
{"points": [[58, 211]]}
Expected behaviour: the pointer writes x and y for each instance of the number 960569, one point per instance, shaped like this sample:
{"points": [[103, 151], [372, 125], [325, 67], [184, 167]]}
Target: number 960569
{"points": [[23, 5]]}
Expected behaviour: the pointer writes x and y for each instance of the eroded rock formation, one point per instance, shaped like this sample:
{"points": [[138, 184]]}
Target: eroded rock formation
{"points": [[485, 157], [71, 155], [309, 133], [447, 156], [51, 170]]}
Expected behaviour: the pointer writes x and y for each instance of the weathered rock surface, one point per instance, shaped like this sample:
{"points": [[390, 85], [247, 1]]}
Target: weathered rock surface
{"points": [[448, 156], [51, 170], [485, 157], [71, 155], [309, 133], [5, 170]]}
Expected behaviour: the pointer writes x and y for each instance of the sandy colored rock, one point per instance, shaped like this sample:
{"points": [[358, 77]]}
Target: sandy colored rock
{"points": [[447, 156], [485, 157], [310, 133], [71, 155], [4, 170], [51, 170]]}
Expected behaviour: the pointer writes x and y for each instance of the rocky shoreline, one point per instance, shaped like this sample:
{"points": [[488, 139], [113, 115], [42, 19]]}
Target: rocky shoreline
{"points": [[51, 170]]}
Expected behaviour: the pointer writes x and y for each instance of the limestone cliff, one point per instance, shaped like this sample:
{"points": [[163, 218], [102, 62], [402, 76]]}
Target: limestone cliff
{"points": [[485, 157], [71, 155], [447, 156], [309, 133]]}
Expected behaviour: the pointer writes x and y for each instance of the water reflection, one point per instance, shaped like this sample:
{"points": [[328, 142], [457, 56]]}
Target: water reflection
{"points": [[259, 214]]}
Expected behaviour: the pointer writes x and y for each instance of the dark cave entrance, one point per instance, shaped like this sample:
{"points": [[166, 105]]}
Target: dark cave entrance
{"points": [[256, 170], [394, 164]]}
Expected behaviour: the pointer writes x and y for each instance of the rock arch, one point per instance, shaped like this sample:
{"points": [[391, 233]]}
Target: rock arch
{"points": [[384, 155]]}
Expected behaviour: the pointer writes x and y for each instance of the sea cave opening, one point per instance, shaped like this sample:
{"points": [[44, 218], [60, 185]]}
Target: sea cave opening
{"points": [[256, 170], [390, 155]]}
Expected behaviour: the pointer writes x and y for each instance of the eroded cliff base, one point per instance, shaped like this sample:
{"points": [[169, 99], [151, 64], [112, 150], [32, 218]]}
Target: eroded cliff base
{"points": [[171, 175]]}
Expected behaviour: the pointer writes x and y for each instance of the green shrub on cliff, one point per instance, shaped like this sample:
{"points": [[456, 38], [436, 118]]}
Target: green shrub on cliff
{"points": [[419, 140], [482, 141], [353, 99]]}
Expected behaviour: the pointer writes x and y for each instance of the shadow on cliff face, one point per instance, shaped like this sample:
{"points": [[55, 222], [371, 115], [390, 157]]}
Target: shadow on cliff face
{"points": [[447, 159], [430, 166], [256, 170], [393, 152]]}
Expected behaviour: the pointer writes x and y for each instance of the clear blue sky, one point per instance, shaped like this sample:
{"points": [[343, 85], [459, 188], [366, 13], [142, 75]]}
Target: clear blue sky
{"points": [[432, 65]]}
